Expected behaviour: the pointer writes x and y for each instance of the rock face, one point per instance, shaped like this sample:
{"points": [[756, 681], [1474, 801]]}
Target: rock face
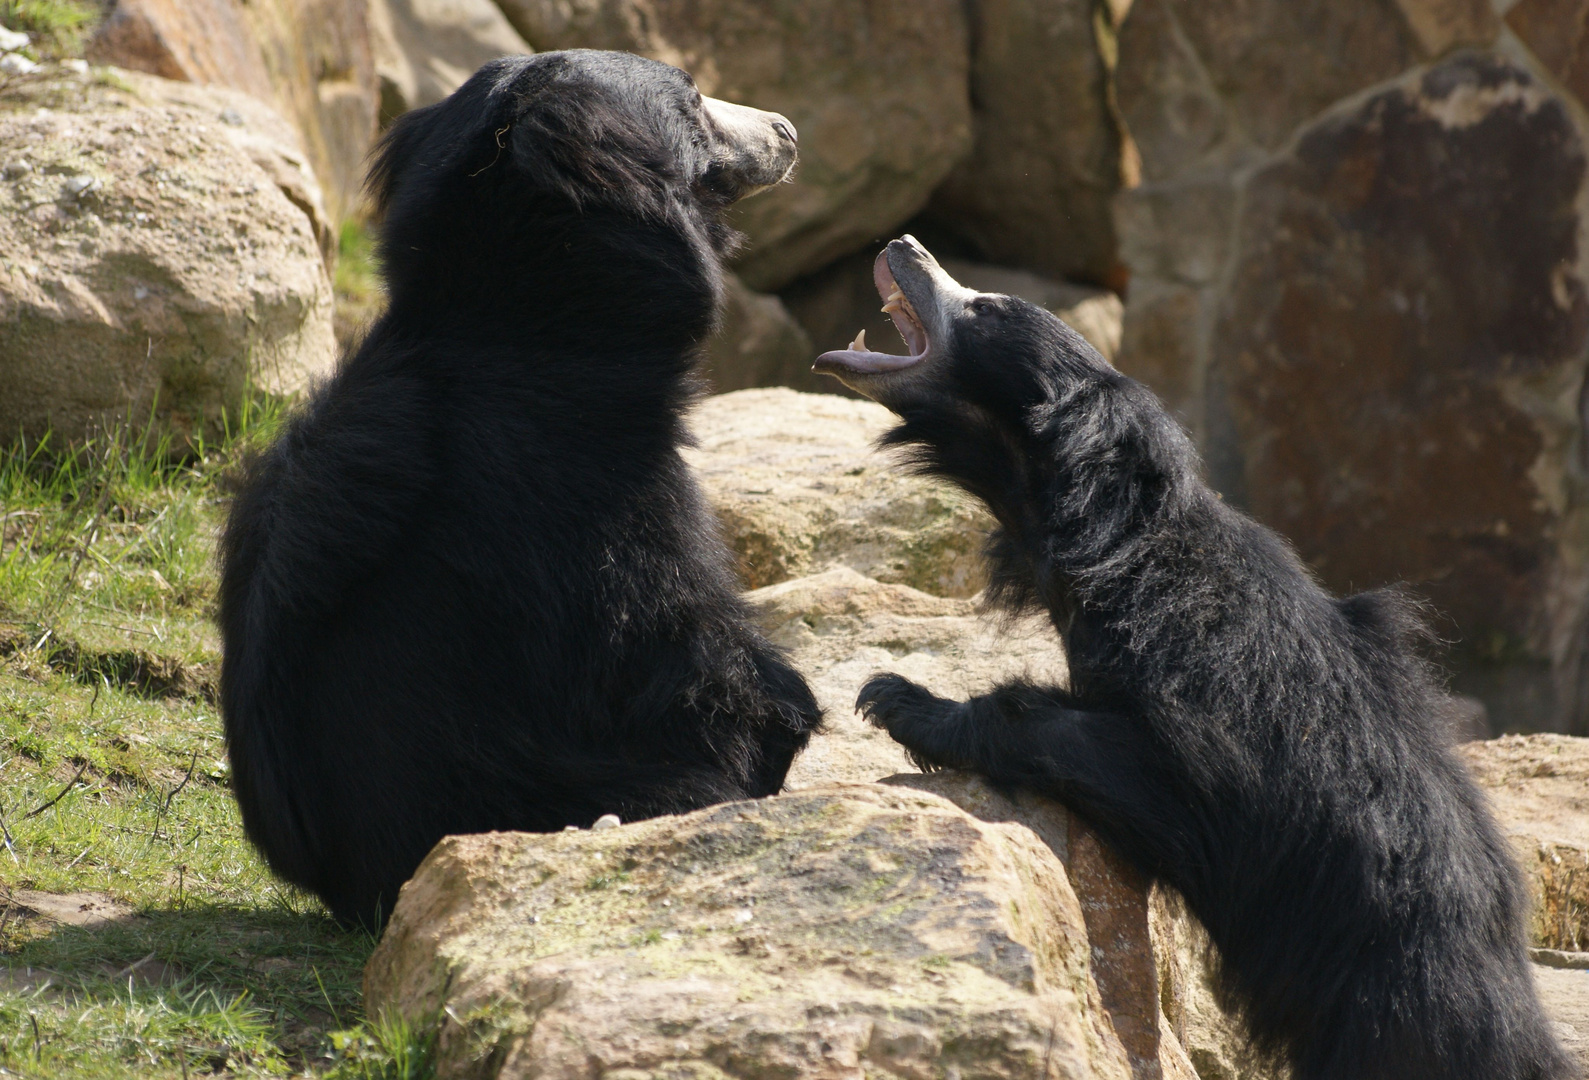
{"points": [[1366, 277], [840, 299], [877, 91], [1408, 306], [425, 49], [798, 488], [1116, 905], [758, 344], [310, 58], [1046, 157], [844, 931], [145, 258]]}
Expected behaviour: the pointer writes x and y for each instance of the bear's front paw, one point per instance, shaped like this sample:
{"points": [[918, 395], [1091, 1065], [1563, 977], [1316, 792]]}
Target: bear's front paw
{"points": [[926, 725]]}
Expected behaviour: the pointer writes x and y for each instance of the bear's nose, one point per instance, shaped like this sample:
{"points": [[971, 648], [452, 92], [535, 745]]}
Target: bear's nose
{"points": [[785, 129]]}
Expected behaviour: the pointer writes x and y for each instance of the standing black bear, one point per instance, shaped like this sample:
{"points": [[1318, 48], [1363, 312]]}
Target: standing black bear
{"points": [[1273, 753], [473, 585]]}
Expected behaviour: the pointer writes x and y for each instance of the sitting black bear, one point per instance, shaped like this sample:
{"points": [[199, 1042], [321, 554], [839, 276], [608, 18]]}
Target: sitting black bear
{"points": [[473, 585], [1273, 753]]}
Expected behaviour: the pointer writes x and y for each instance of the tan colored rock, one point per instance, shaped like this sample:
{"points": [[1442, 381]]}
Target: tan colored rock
{"points": [[758, 344], [309, 58], [877, 91], [1277, 63], [145, 258], [840, 299], [425, 49], [204, 41], [1046, 156], [270, 142], [1215, 1043], [845, 931], [840, 628], [1115, 905], [798, 488], [1539, 788], [1565, 995]]}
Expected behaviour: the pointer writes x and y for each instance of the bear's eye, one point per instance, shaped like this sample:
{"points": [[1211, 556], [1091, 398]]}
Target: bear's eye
{"points": [[984, 307]]}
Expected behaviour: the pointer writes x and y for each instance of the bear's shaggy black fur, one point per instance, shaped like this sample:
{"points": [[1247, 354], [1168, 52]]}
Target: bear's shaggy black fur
{"points": [[473, 585], [1273, 753]]}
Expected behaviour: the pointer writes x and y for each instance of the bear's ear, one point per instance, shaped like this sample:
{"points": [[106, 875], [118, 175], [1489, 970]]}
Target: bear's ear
{"points": [[395, 149], [441, 137]]}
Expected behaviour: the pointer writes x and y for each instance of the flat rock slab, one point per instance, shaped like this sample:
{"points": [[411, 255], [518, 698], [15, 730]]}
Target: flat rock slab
{"points": [[799, 488], [844, 931]]}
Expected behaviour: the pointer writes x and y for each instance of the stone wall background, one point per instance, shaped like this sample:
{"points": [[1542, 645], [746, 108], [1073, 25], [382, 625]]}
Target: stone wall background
{"points": [[1347, 234]]}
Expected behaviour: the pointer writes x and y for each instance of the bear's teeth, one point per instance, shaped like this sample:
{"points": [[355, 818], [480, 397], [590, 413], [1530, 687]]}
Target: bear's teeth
{"points": [[895, 301], [859, 344]]}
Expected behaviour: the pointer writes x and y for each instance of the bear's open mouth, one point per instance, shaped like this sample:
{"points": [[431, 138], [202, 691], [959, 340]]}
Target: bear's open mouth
{"points": [[858, 358]]}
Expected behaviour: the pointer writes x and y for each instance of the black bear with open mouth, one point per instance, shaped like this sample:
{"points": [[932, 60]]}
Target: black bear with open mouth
{"points": [[473, 585], [1274, 753]]}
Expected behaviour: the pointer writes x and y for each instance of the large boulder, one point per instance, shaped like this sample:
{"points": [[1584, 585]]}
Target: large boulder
{"points": [[1119, 909], [312, 59], [877, 91], [799, 488], [146, 259], [1048, 144], [843, 931], [1358, 281], [1407, 306], [425, 49]]}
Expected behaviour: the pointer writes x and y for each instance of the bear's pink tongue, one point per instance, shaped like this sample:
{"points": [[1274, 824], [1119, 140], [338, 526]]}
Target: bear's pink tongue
{"points": [[858, 357]]}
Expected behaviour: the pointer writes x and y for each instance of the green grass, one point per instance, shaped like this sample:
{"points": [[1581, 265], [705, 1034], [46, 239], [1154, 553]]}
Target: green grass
{"points": [[113, 780], [360, 296], [60, 28]]}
